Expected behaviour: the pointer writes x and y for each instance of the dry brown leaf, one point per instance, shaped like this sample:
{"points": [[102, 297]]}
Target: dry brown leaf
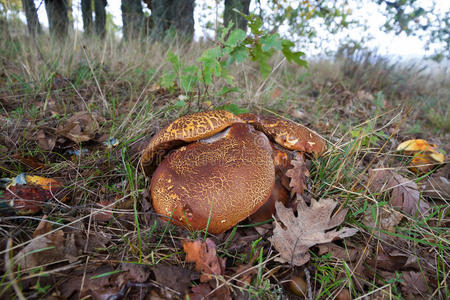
{"points": [[348, 254], [298, 286], [311, 226], [45, 141], [174, 277], [205, 257], [438, 185], [414, 282], [298, 174], [405, 194], [42, 250], [81, 127], [386, 220]]}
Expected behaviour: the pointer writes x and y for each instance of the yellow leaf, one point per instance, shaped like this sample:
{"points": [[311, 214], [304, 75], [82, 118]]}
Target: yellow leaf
{"points": [[416, 145], [44, 183], [425, 154]]}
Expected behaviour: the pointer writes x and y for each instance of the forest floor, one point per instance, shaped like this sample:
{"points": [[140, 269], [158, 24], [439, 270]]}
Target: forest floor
{"points": [[79, 115]]}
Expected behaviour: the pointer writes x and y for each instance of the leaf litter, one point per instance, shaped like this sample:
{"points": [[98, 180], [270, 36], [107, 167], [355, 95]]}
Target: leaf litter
{"points": [[404, 192], [293, 236]]}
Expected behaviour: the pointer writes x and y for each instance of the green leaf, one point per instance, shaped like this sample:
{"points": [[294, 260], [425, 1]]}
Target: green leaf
{"points": [[189, 78], [262, 57], [226, 89], [236, 36], [272, 41], [239, 55], [254, 22], [174, 60], [210, 64], [293, 57], [233, 108], [167, 81]]}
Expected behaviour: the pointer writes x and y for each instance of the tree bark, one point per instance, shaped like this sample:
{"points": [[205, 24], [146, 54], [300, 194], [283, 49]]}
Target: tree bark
{"points": [[58, 19], [132, 18], [86, 12], [176, 14], [230, 15], [32, 18], [100, 17]]}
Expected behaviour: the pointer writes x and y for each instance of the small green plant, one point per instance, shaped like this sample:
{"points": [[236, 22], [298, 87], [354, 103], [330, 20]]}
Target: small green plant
{"points": [[233, 47]]}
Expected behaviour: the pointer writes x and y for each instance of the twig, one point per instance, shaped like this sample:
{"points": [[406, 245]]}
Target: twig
{"points": [[308, 282]]}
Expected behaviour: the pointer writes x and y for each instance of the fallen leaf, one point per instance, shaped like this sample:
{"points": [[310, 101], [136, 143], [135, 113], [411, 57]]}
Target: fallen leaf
{"points": [[136, 272], [438, 185], [26, 194], [298, 174], [344, 294], [29, 161], [45, 141], [81, 127], [414, 282], [205, 291], [387, 219], [174, 277], [204, 255], [199, 292], [405, 193], [42, 250], [390, 259], [425, 155], [311, 226], [348, 254], [298, 286]]}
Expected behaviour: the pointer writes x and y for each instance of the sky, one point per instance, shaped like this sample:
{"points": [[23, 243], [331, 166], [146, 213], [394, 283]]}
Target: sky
{"points": [[401, 46]]}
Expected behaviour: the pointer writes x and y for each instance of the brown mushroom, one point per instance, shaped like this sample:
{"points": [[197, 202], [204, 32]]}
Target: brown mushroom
{"points": [[225, 168], [216, 182]]}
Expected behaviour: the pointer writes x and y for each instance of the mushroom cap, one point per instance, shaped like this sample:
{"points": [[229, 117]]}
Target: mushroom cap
{"points": [[223, 180], [188, 128], [287, 134]]}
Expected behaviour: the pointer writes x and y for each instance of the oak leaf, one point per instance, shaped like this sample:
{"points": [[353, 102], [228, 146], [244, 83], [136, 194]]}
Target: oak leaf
{"points": [[405, 193], [298, 174], [204, 254], [293, 236]]}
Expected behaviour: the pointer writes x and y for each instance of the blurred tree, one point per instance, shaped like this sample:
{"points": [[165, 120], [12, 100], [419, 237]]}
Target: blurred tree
{"points": [[58, 19], [303, 20], [100, 17], [172, 14], [231, 15], [86, 13], [133, 19], [32, 17], [424, 20]]}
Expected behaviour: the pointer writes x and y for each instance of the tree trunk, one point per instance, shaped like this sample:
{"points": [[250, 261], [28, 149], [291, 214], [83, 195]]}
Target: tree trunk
{"points": [[100, 17], [132, 18], [86, 12], [58, 19], [32, 17], [176, 14], [230, 15]]}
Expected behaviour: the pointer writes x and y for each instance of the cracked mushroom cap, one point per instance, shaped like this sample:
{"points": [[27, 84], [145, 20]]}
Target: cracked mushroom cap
{"points": [[287, 134], [188, 128], [223, 180]]}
